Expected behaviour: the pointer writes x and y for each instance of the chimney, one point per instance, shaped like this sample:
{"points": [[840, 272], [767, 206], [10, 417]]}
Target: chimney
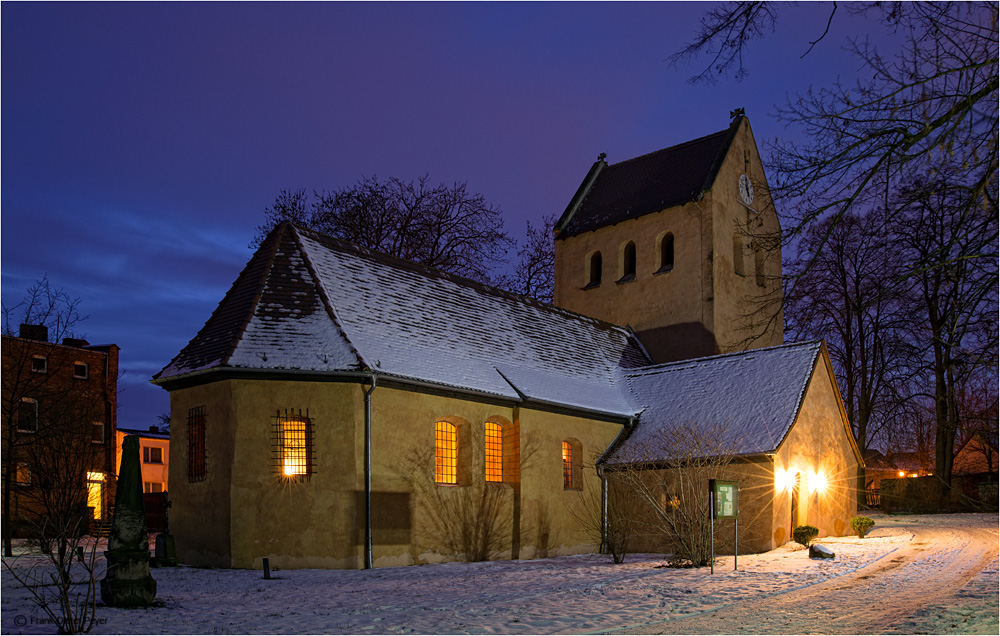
{"points": [[35, 332], [79, 343]]}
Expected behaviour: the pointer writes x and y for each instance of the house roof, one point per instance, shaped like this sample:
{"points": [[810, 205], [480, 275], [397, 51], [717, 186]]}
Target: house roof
{"points": [[309, 302], [750, 399], [673, 176]]}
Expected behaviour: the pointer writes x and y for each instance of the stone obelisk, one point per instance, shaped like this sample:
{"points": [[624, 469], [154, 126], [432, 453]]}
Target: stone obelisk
{"points": [[128, 582]]}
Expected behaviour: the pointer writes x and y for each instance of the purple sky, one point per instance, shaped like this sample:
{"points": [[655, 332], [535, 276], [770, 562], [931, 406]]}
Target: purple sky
{"points": [[141, 142]]}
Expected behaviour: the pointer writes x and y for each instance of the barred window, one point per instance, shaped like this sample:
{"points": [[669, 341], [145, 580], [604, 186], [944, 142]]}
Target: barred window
{"points": [[445, 453], [196, 444], [293, 447], [494, 452]]}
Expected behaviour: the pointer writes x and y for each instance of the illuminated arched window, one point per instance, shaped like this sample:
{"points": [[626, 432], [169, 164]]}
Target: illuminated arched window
{"points": [[567, 457], [445, 453], [494, 452]]}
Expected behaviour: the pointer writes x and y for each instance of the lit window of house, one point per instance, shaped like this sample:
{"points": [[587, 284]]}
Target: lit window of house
{"points": [[81, 370], [23, 474], [196, 444], [494, 452], [27, 415], [293, 445], [39, 364], [445, 453], [97, 432], [152, 455], [95, 493]]}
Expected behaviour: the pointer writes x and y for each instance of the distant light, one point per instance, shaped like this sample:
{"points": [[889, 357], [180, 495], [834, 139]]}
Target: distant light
{"points": [[782, 480], [902, 474]]}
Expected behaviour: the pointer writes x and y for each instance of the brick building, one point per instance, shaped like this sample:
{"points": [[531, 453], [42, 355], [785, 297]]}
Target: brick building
{"points": [[59, 403]]}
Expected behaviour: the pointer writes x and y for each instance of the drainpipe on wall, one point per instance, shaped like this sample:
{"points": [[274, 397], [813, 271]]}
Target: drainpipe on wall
{"points": [[604, 483], [368, 474]]}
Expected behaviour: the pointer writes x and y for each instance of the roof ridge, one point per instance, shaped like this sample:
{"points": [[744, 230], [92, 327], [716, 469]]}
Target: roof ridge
{"points": [[277, 233], [683, 144], [433, 272], [718, 356]]}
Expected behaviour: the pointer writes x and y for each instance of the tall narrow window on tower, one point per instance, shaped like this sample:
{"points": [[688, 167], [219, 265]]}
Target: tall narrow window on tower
{"points": [[628, 263], [594, 267], [758, 265], [738, 265]]}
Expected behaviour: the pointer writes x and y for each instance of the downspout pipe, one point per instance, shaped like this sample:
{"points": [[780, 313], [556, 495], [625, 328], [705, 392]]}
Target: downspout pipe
{"points": [[604, 482], [368, 473]]}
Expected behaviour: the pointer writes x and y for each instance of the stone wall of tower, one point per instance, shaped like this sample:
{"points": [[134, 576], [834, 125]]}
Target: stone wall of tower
{"points": [[706, 303]]}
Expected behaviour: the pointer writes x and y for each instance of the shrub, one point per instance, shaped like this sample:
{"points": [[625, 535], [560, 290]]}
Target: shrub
{"points": [[805, 534], [861, 526]]}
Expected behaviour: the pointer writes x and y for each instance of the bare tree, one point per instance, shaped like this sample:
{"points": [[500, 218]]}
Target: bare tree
{"points": [[446, 227], [953, 247], [534, 270], [609, 520], [851, 290], [55, 309], [669, 474]]}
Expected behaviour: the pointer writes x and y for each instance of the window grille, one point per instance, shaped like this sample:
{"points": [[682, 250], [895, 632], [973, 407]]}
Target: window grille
{"points": [[567, 452], [445, 453], [196, 444], [293, 445], [494, 452]]}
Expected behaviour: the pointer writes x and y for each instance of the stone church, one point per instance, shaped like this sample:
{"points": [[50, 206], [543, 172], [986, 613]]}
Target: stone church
{"points": [[344, 409]]}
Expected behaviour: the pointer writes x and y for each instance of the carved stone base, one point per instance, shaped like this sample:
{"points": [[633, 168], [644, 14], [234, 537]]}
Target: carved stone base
{"points": [[128, 582]]}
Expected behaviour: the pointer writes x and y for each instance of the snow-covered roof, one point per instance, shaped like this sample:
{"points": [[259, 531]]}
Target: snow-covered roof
{"points": [[308, 302], [748, 399]]}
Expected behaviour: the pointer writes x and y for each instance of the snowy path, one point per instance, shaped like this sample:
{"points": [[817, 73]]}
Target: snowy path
{"points": [[890, 595], [930, 574]]}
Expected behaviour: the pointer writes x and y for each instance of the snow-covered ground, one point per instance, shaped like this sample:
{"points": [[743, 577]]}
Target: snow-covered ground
{"points": [[912, 574]]}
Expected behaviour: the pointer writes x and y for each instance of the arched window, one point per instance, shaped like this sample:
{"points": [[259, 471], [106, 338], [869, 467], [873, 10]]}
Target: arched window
{"points": [[494, 452], [738, 265], [445, 453], [594, 267], [666, 253], [628, 262], [572, 458], [567, 462]]}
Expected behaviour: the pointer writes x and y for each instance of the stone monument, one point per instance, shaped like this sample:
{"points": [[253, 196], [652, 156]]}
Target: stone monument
{"points": [[128, 582]]}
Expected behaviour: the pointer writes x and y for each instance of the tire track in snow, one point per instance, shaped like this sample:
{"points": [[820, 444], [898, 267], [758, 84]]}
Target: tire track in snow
{"points": [[876, 598]]}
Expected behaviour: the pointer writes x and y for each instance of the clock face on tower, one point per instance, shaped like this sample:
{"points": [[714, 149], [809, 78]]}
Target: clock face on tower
{"points": [[746, 189]]}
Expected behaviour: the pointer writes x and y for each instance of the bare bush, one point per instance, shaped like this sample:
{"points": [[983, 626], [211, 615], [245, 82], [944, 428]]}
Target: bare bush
{"points": [[667, 474]]}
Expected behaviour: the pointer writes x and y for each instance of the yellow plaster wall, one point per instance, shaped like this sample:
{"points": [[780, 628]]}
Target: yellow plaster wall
{"points": [[818, 444], [199, 517], [319, 523]]}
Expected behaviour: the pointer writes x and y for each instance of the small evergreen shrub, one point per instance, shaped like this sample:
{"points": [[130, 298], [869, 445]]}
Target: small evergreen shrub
{"points": [[861, 526], [805, 534]]}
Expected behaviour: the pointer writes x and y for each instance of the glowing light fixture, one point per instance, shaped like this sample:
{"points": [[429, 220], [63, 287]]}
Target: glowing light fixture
{"points": [[817, 482], [783, 480]]}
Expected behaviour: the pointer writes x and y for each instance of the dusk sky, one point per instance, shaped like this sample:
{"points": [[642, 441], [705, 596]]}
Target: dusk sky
{"points": [[142, 142]]}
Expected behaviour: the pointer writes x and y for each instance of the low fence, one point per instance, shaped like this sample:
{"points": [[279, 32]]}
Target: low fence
{"points": [[873, 497], [968, 493]]}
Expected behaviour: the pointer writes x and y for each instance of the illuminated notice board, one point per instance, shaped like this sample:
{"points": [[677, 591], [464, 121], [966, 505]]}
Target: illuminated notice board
{"points": [[725, 497]]}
